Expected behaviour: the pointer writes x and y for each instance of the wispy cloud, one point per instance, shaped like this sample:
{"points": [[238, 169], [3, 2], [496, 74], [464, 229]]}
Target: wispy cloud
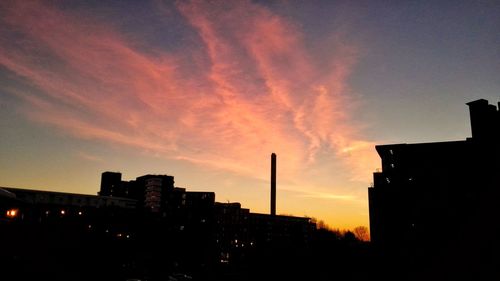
{"points": [[89, 157], [250, 87]]}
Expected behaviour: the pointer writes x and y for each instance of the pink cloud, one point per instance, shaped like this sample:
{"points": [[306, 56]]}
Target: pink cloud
{"points": [[254, 88]]}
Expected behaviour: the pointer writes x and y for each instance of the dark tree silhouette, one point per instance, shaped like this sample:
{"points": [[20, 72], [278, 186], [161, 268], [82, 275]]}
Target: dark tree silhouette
{"points": [[362, 233]]}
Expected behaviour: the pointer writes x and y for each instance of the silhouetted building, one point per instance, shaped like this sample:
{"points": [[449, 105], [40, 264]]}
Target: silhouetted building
{"points": [[37, 206], [232, 234], [91, 211], [64, 236], [152, 190], [111, 184], [485, 120], [434, 206], [280, 230], [149, 228], [240, 232]]}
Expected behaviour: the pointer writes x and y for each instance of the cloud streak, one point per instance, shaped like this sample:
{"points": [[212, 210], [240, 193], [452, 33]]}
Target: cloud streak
{"points": [[248, 87]]}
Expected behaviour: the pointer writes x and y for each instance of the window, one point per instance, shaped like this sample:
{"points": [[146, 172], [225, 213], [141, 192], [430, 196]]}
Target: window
{"points": [[12, 213]]}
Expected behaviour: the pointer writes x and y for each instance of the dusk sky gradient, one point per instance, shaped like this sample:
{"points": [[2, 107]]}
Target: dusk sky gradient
{"points": [[207, 90]]}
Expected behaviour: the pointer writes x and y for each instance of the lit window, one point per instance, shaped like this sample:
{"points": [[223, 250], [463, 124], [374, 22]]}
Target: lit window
{"points": [[12, 213]]}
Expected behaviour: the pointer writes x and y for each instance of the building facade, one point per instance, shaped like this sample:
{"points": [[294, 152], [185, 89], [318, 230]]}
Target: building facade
{"points": [[433, 207]]}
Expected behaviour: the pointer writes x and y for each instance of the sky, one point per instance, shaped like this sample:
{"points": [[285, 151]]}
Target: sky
{"points": [[207, 90]]}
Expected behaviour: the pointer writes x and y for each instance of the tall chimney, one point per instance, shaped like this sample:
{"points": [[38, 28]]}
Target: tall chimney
{"points": [[273, 184]]}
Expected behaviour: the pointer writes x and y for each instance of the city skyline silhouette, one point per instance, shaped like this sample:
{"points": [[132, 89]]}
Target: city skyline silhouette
{"points": [[249, 140], [147, 222], [426, 206]]}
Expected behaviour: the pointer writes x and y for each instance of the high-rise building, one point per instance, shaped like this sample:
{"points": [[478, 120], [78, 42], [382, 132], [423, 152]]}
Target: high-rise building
{"points": [[111, 184]]}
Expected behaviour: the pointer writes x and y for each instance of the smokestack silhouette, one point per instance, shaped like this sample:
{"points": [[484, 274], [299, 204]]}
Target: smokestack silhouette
{"points": [[273, 184]]}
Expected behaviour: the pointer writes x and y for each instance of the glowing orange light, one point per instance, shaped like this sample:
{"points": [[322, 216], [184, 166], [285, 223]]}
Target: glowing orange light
{"points": [[12, 213]]}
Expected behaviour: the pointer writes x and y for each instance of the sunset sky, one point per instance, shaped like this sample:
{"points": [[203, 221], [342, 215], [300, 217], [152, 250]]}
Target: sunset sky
{"points": [[207, 90]]}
